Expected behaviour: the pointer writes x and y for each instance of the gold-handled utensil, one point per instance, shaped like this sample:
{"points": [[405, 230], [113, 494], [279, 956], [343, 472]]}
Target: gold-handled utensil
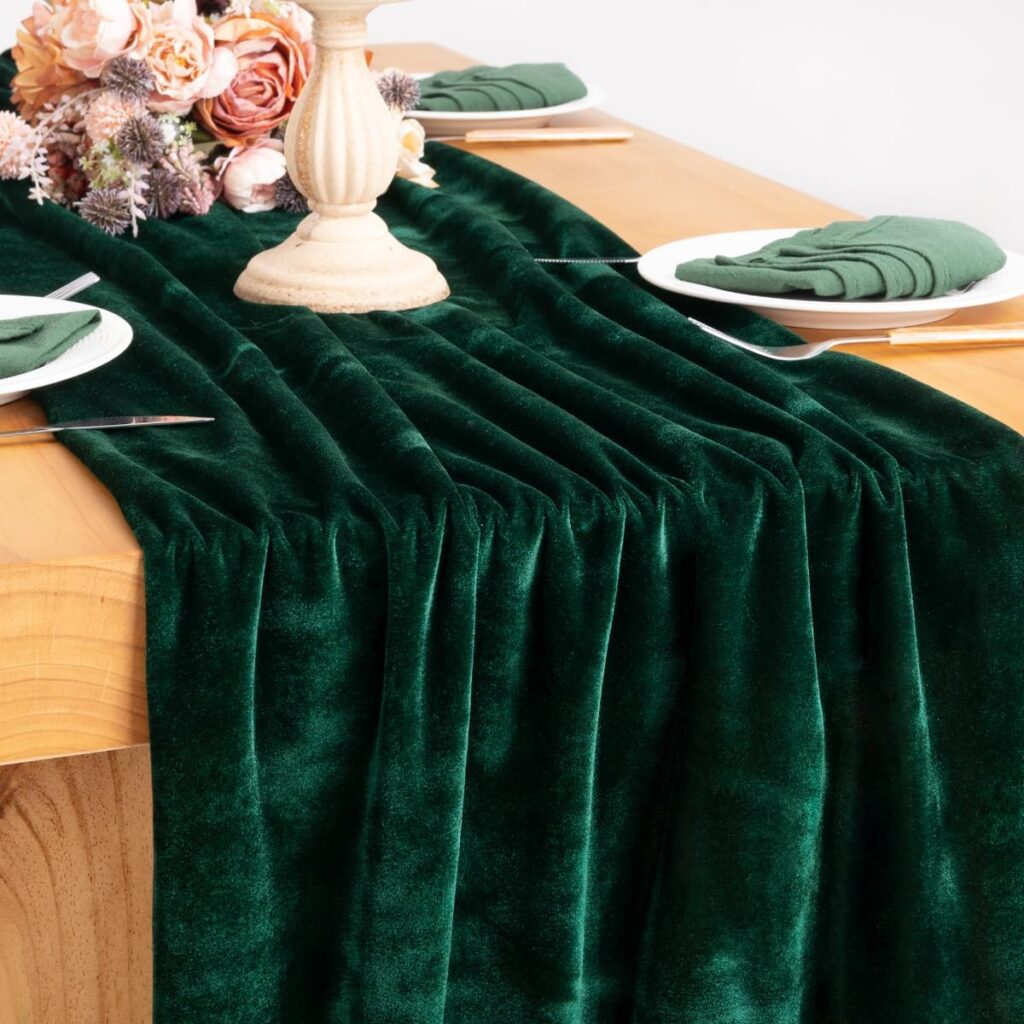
{"points": [[954, 334], [492, 136], [948, 336]]}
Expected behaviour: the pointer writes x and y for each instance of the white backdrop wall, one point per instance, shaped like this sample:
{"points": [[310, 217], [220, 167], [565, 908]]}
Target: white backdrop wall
{"points": [[878, 106]]}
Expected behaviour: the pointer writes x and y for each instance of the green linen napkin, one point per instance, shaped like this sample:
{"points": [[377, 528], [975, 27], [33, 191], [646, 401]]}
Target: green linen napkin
{"points": [[33, 341], [885, 257], [516, 87]]}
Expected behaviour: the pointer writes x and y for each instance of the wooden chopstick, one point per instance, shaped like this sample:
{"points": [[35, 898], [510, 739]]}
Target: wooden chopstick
{"points": [[959, 335], [492, 136]]}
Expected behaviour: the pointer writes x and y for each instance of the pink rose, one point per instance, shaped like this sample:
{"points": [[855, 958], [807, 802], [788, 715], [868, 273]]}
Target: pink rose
{"points": [[250, 175], [92, 32], [274, 57], [187, 64], [42, 15]]}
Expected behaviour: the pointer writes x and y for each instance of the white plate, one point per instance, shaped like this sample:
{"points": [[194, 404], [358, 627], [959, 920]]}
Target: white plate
{"points": [[458, 122], [659, 268], [110, 338]]}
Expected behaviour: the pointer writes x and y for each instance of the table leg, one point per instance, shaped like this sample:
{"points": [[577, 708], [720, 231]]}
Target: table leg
{"points": [[76, 857]]}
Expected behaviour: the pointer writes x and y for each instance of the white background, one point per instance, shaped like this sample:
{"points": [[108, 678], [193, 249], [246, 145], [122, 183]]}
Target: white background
{"points": [[880, 106]]}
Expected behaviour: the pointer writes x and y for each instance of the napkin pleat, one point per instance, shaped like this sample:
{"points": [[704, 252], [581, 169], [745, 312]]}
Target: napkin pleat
{"points": [[886, 258], [515, 87], [28, 342]]}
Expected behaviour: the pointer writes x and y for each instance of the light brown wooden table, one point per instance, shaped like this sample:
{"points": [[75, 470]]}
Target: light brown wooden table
{"points": [[75, 832]]}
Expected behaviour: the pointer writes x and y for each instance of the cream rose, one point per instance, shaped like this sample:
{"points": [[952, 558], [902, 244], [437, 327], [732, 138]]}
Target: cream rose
{"points": [[250, 175], [187, 64], [93, 32], [411, 147]]}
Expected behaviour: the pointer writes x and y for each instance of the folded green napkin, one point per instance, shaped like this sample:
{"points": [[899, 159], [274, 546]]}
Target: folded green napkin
{"points": [[33, 341], [516, 87], [885, 257]]}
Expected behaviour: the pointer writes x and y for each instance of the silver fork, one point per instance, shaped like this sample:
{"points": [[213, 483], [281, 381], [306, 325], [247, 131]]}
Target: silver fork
{"points": [[957, 335], [74, 287]]}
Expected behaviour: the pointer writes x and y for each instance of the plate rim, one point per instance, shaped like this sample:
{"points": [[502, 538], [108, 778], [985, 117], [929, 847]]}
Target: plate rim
{"points": [[46, 375], [962, 300]]}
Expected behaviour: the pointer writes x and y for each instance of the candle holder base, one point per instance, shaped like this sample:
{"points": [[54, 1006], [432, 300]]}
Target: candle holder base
{"points": [[342, 265]]}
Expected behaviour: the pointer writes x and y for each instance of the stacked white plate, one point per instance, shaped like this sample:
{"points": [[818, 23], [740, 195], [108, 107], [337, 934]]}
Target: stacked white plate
{"points": [[110, 338], [659, 268], [458, 122]]}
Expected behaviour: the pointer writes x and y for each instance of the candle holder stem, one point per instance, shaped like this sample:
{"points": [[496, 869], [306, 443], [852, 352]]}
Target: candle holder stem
{"points": [[342, 151]]}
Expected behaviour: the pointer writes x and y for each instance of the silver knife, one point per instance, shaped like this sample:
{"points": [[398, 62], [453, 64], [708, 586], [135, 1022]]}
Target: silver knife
{"points": [[111, 423]]}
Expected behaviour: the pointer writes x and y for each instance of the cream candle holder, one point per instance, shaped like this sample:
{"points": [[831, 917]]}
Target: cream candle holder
{"points": [[342, 152]]}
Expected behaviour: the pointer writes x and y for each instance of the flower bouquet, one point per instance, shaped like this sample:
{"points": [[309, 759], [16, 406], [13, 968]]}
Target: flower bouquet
{"points": [[135, 109]]}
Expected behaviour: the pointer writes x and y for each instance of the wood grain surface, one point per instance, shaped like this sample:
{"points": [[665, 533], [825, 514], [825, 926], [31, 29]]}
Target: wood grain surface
{"points": [[73, 667], [72, 621], [75, 890]]}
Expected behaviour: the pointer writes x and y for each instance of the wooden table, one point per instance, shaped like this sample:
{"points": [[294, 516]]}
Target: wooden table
{"points": [[75, 833]]}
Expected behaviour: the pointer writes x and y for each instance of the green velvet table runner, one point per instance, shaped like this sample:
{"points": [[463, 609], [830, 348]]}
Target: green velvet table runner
{"points": [[534, 657]]}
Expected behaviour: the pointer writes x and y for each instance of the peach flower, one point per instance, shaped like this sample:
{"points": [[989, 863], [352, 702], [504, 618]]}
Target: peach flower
{"points": [[298, 17], [187, 64], [42, 76], [107, 115], [250, 175], [16, 139], [274, 57], [93, 32]]}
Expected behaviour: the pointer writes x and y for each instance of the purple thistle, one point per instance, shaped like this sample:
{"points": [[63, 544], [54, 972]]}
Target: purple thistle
{"points": [[129, 79], [108, 209], [166, 193], [141, 140], [288, 197], [400, 91]]}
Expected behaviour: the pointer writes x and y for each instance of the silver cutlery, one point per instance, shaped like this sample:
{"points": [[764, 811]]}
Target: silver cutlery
{"points": [[950, 336], [110, 423], [587, 260], [74, 287]]}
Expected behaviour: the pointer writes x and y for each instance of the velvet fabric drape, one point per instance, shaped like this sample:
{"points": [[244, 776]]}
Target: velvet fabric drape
{"points": [[533, 657]]}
